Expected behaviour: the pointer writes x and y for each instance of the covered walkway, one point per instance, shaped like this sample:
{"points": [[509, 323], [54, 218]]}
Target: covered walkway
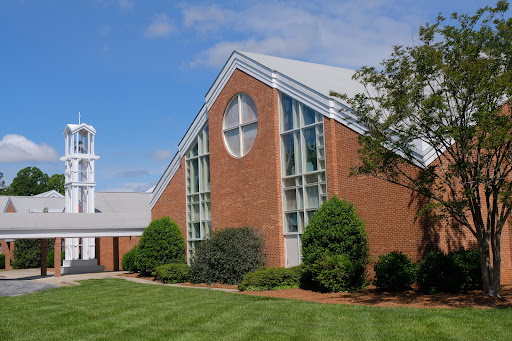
{"points": [[56, 226]]}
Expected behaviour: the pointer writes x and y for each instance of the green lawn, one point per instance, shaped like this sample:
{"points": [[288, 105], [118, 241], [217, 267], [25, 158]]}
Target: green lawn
{"points": [[119, 309]]}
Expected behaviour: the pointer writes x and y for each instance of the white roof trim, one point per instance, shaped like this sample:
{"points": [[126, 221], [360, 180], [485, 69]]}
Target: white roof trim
{"points": [[76, 127], [186, 141]]}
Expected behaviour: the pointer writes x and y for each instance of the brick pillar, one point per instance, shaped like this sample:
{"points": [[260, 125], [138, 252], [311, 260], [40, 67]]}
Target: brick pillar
{"points": [[97, 249], [115, 250], [7, 249], [44, 253], [56, 260]]}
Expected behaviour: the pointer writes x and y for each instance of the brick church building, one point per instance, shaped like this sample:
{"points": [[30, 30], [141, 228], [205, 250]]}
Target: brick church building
{"points": [[269, 146]]}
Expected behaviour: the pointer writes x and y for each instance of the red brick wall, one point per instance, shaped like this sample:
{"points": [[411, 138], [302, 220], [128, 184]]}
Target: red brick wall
{"points": [[246, 191], [107, 256], [390, 210], [173, 201]]}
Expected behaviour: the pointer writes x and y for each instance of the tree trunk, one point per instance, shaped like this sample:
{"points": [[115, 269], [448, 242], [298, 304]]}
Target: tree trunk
{"points": [[496, 270], [483, 247]]}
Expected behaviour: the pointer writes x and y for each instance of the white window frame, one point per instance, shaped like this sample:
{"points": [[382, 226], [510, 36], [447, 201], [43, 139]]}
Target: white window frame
{"points": [[239, 126]]}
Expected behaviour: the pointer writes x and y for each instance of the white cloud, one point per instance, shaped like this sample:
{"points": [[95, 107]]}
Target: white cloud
{"points": [[343, 33], [162, 155], [160, 27], [206, 18], [17, 148]]}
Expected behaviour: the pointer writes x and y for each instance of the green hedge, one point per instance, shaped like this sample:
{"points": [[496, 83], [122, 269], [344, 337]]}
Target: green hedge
{"points": [[227, 256], [172, 273], [2, 261], [394, 271], [271, 279], [457, 271], [335, 248], [27, 253], [161, 243], [130, 260]]}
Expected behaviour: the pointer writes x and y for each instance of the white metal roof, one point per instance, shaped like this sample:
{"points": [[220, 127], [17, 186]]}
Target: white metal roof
{"points": [[319, 77], [106, 202], [50, 194], [4, 199], [52, 225], [123, 202], [24, 204], [122, 214]]}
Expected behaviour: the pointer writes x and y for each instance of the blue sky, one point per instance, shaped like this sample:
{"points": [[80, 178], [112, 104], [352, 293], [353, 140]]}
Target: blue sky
{"points": [[138, 70]]}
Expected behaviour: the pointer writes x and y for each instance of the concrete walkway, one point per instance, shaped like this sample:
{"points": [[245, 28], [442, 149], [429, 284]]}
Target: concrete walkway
{"points": [[19, 282]]}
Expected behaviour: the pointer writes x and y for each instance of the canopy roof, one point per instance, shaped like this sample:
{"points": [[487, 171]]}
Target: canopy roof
{"points": [[117, 214]]}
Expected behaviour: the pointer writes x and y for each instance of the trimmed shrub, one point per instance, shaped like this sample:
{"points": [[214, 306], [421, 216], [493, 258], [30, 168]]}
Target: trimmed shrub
{"points": [[438, 272], [335, 248], [130, 260], [227, 256], [172, 273], [394, 271], [2, 261], [469, 262], [457, 271], [334, 273], [161, 243], [271, 279]]}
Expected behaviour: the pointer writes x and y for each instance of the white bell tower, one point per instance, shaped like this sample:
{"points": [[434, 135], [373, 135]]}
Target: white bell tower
{"points": [[79, 185]]}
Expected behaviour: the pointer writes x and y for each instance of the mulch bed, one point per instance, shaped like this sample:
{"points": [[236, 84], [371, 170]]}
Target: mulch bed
{"points": [[371, 296]]}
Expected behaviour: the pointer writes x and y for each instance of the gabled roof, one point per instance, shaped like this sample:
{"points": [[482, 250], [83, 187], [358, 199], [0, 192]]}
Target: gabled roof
{"points": [[27, 204], [73, 128], [309, 83], [50, 194], [4, 201], [105, 202], [318, 77]]}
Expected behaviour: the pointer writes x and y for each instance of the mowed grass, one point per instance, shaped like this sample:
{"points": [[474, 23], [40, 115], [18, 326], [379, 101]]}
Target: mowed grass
{"points": [[119, 309]]}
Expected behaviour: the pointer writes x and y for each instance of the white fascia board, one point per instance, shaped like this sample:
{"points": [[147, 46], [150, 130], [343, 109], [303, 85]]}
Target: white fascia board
{"points": [[71, 232], [243, 63], [194, 129], [190, 135], [165, 179], [325, 105]]}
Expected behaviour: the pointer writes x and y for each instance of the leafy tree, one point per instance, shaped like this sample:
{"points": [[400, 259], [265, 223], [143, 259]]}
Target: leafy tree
{"points": [[27, 253], [56, 182], [2, 184], [450, 92], [29, 181]]}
